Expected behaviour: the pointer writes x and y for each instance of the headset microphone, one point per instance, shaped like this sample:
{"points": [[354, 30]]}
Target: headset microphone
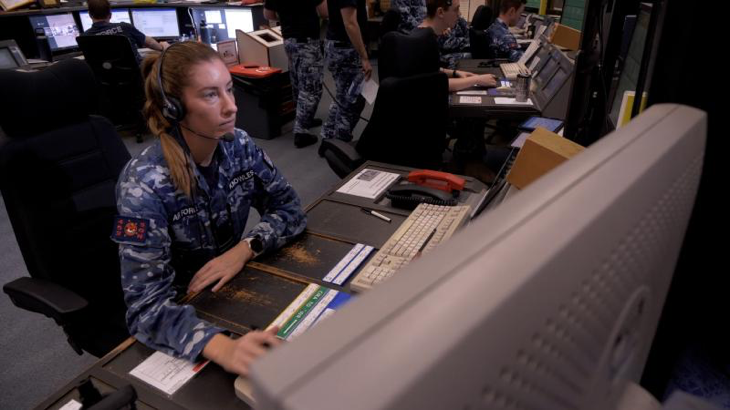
{"points": [[227, 137]]}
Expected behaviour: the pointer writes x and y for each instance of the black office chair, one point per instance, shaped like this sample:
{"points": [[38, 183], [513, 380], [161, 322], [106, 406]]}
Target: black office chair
{"points": [[119, 77], [391, 21], [404, 55], [483, 18], [408, 123], [58, 171]]}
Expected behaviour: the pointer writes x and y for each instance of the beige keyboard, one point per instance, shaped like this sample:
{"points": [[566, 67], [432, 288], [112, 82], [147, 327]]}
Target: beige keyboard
{"points": [[510, 70], [426, 227]]}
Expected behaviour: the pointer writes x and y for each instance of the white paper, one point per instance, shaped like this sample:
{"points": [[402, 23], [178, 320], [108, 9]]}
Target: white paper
{"points": [[472, 92], [213, 17], [369, 183], [470, 100], [511, 101], [370, 90], [166, 372], [72, 405], [520, 140]]}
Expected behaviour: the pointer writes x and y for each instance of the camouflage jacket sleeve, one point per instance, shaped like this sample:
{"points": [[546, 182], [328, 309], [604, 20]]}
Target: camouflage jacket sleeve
{"points": [[457, 39], [503, 43], [276, 201], [153, 317]]}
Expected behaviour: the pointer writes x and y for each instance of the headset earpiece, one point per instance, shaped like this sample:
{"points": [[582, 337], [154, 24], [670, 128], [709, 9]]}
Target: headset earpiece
{"points": [[172, 108]]}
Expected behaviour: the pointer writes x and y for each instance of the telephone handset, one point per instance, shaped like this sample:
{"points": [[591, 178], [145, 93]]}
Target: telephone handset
{"points": [[438, 180], [431, 187]]}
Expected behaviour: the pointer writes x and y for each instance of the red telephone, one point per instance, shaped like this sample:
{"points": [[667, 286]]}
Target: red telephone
{"points": [[436, 179]]}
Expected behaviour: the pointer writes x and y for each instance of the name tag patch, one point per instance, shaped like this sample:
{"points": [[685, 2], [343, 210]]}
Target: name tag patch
{"points": [[240, 178]]}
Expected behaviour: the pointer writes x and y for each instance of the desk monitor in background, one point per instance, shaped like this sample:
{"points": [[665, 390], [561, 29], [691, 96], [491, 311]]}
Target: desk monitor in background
{"points": [[549, 301], [157, 23], [629, 78], [11, 56], [60, 29], [118, 16], [221, 23]]}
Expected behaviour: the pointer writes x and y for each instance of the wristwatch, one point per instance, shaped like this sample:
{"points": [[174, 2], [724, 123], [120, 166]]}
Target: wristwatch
{"points": [[256, 245]]}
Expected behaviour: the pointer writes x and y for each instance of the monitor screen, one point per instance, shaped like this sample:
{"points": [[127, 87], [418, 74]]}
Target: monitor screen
{"points": [[549, 301], [60, 29], [156, 22], [547, 70], [554, 84], [118, 16], [221, 23], [6, 59], [629, 77]]}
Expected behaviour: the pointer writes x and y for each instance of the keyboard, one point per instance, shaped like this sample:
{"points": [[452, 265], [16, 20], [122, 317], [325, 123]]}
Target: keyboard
{"points": [[510, 70], [426, 227]]}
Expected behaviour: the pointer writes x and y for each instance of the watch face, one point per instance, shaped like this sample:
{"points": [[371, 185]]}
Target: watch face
{"points": [[256, 245]]}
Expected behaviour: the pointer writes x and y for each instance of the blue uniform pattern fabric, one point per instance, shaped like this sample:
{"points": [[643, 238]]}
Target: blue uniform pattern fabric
{"points": [[181, 235], [104, 28], [306, 71], [412, 13], [454, 45], [344, 63], [502, 42]]}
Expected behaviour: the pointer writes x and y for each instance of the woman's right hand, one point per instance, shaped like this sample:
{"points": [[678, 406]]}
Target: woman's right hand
{"points": [[237, 355], [485, 80]]}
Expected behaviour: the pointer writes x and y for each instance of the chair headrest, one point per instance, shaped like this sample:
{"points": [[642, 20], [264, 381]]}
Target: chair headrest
{"points": [[482, 18], [33, 103]]}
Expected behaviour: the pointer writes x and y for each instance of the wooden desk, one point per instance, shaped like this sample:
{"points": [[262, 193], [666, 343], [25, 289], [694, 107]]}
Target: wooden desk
{"points": [[257, 295]]}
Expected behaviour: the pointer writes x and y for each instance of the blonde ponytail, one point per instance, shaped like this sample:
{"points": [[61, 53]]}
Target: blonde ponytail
{"points": [[177, 66]]}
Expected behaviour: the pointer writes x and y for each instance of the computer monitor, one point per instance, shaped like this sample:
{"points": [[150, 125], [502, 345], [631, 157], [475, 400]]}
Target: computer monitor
{"points": [[573, 14], [157, 23], [549, 301], [221, 23], [11, 56], [60, 29], [118, 16], [629, 77]]}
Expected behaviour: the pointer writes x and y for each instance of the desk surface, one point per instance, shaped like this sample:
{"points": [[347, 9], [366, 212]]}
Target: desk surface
{"points": [[257, 295]]}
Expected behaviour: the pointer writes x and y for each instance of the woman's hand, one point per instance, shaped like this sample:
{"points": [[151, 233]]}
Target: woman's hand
{"points": [[486, 80], [236, 356], [222, 268]]}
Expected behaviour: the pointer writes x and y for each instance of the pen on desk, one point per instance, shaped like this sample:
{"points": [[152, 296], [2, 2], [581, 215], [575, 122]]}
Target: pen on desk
{"points": [[375, 214]]}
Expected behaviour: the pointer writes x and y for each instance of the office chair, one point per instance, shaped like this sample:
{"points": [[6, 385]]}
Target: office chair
{"points": [[410, 114], [483, 18], [119, 77], [403, 55], [391, 21], [58, 178]]}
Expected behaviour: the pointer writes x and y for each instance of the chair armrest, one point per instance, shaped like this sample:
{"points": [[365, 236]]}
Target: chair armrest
{"points": [[48, 298], [341, 156]]}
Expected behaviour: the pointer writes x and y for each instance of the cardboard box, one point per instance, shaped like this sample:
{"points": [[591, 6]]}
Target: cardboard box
{"points": [[542, 152], [565, 36]]}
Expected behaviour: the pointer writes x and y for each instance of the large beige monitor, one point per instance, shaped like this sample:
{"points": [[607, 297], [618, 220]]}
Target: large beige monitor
{"points": [[549, 301]]}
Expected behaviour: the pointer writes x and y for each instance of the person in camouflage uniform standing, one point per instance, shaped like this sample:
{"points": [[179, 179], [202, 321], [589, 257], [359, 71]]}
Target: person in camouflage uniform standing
{"points": [[347, 60], [502, 42], [412, 13], [454, 44], [183, 204], [300, 28]]}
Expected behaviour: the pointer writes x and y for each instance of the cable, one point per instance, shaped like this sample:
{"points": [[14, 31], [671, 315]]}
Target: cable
{"points": [[338, 103]]}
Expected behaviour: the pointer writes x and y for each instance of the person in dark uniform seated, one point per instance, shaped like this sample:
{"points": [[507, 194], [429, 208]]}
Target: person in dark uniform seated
{"points": [[100, 13], [442, 15], [300, 28], [503, 43], [183, 204]]}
